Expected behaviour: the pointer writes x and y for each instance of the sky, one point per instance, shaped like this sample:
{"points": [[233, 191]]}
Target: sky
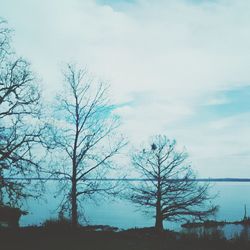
{"points": [[178, 67]]}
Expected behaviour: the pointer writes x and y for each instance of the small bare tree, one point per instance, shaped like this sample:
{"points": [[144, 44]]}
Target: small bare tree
{"points": [[19, 113], [169, 186], [86, 138]]}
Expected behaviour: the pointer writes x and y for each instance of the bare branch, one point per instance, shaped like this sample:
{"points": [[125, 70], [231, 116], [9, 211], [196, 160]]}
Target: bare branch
{"points": [[178, 198], [88, 137]]}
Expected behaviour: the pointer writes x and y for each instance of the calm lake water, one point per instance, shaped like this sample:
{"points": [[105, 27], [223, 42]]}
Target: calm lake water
{"points": [[122, 214]]}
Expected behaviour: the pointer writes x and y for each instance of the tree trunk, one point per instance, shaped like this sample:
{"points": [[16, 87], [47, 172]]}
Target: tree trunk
{"points": [[74, 214], [158, 218], [1, 187]]}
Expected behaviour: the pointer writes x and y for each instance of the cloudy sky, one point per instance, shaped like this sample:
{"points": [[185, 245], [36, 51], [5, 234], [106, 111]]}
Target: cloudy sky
{"points": [[176, 67]]}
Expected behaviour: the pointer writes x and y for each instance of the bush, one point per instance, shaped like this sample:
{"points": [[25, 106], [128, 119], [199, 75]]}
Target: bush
{"points": [[62, 223]]}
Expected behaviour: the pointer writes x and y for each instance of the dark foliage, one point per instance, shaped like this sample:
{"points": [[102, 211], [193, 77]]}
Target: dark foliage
{"points": [[139, 239]]}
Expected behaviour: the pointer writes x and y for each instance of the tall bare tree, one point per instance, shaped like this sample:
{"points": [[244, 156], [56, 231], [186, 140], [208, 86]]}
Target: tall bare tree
{"points": [[169, 187], [86, 138], [19, 113]]}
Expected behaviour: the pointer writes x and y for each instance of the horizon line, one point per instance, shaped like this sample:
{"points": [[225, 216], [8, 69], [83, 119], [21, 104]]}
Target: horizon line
{"points": [[209, 179]]}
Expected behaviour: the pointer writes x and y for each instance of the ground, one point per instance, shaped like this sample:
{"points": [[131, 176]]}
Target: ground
{"points": [[40, 238]]}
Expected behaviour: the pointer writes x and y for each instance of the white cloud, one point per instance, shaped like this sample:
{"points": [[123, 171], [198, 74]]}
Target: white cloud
{"points": [[219, 148], [217, 101], [179, 52]]}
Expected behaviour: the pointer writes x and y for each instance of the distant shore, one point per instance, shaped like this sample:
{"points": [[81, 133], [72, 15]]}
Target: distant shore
{"points": [[214, 223]]}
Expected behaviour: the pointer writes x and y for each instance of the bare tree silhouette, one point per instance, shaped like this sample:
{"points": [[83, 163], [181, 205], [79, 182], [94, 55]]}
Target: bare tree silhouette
{"points": [[170, 188], [86, 139], [19, 113]]}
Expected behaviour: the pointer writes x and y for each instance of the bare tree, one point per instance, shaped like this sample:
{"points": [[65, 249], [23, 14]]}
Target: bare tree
{"points": [[169, 186], [19, 113], [85, 139]]}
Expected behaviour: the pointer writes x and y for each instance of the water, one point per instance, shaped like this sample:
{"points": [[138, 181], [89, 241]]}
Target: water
{"points": [[122, 214], [228, 231]]}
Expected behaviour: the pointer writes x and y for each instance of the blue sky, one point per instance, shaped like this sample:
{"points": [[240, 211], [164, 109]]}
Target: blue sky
{"points": [[223, 104], [236, 100], [114, 2], [178, 67]]}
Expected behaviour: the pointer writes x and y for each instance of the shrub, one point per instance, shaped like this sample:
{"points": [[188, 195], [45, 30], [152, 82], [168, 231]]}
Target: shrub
{"points": [[62, 223]]}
